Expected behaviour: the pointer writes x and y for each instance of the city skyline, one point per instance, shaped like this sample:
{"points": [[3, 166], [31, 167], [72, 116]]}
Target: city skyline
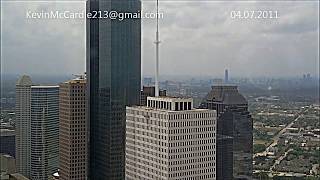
{"points": [[287, 43], [237, 98]]}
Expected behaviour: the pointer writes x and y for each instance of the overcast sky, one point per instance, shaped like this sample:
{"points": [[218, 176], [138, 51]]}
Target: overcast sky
{"points": [[198, 38]]}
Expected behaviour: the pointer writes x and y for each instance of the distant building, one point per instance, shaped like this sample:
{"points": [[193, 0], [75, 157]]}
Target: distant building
{"points": [[226, 76], [235, 122], [168, 139], [308, 76], [216, 81], [7, 142], [73, 130], [188, 92], [23, 125], [304, 77], [147, 81], [44, 131], [149, 91]]}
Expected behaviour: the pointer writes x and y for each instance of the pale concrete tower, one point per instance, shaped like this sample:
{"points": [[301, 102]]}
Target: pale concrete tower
{"points": [[23, 125]]}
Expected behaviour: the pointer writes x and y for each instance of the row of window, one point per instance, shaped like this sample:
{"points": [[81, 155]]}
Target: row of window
{"points": [[146, 128], [192, 143], [192, 154], [147, 120], [142, 174], [145, 147], [144, 133], [201, 174], [192, 149], [199, 115], [195, 122], [189, 167], [191, 136], [199, 160], [139, 163], [147, 154], [162, 116], [203, 130]]}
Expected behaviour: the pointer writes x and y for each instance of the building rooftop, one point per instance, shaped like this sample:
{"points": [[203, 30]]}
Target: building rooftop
{"points": [[79, 79], [18, 176], [44, 86], [168, 110], [226, 94], [171, 98], [24, 81], [170, 103]]}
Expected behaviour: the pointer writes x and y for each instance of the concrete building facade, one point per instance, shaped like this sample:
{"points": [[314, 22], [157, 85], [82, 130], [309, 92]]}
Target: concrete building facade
{"points": [[23, 125], [73, 130], [168, 139]]}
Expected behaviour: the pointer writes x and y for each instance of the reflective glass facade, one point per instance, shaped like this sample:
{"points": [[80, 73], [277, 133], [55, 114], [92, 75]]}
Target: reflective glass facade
{"points": [[234, 132], [114, 71], [44, 131]]}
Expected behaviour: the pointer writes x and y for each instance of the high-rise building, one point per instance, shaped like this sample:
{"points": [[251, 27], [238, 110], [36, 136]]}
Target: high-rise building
{"points": [[7, 142], [168, 139], [224, 156], [149, 91], [23, 125], [114, 81], [226, 76], [44, 131], [216, 81], [234, 129], [73, 130]]}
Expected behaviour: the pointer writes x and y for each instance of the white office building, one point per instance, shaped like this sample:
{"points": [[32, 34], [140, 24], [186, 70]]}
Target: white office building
{"points": [[23, 125], [168, 139]]}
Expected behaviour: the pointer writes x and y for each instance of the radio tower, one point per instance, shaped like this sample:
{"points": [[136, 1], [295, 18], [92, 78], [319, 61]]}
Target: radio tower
{"points": [[157, 42]]}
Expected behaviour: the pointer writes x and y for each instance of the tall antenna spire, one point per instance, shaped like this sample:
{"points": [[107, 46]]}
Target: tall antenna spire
{"points": [[157, 42]]}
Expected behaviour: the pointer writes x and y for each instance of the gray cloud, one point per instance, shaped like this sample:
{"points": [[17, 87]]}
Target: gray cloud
{"points": [[41, 46], [198, 38], [209, 40]]}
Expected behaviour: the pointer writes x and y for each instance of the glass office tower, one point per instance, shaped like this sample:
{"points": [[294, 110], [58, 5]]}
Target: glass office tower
{"points": [[44, 131], [234, 132], [114, 71]]}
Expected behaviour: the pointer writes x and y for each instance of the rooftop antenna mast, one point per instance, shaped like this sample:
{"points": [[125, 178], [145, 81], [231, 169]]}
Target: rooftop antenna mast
{"points": [[157, 42]]}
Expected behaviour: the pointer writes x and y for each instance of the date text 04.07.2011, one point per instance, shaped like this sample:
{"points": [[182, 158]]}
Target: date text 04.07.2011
{"points": [[247, 14]]}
